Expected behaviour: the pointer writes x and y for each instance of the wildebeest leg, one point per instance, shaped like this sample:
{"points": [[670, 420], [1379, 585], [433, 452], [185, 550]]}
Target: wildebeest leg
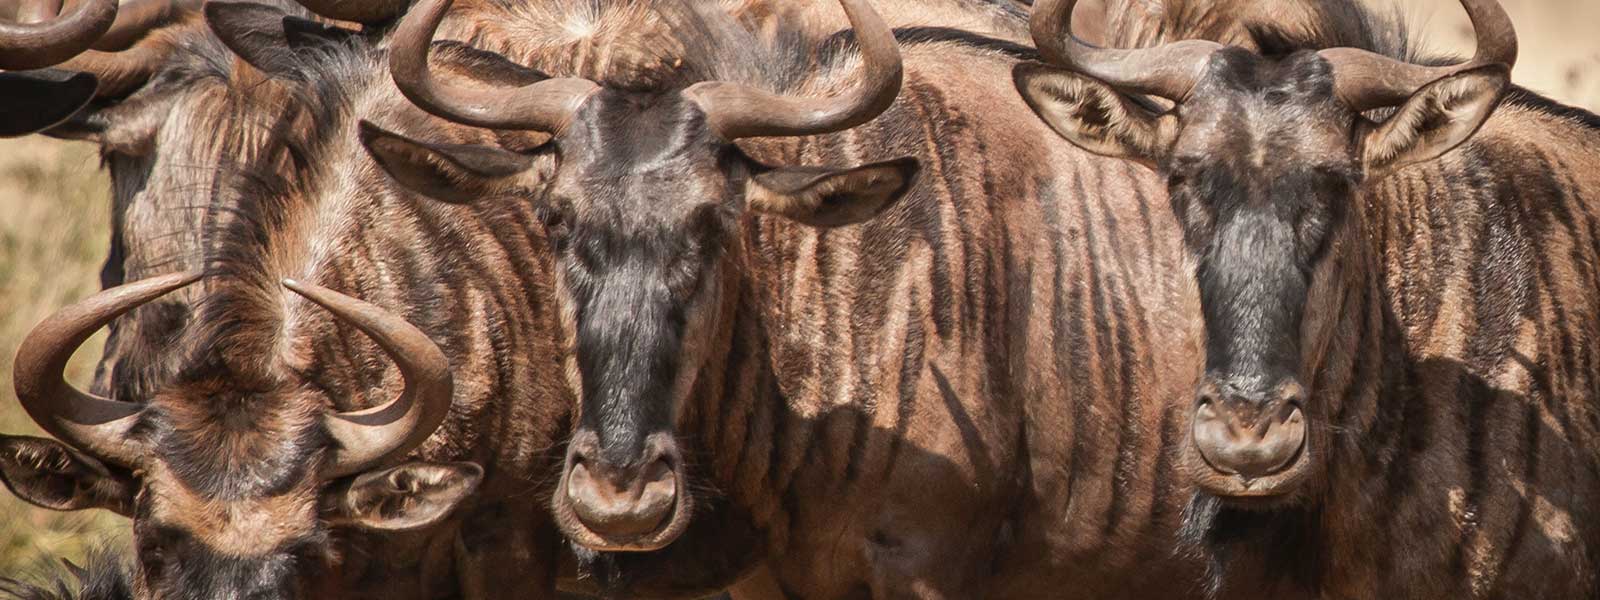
{"points": [[503, 554], [759, 585]]}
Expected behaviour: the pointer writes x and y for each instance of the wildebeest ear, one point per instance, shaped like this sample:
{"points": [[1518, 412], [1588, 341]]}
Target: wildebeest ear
{"points": [[454, 173], [483, 66], [50, 474], [37, 100], [267, 37], [1437, 118], [1093, 115], [406, 497], [824, 197]]}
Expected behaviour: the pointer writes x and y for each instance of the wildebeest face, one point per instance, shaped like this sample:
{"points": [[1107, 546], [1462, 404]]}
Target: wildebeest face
{"points": [[638, 214], [641, 203], [228, 502], [1264, 159], [643, 193], [234, 478], [1262, 176]]}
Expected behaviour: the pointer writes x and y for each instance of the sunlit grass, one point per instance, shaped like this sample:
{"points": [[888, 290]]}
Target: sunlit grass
{"points": [[53, 238]]}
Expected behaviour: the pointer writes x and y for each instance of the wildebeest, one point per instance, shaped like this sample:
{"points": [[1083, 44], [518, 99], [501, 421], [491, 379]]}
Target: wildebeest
{"points": [[210, 153], [236, 483], [937, 372], [1400, 385]]}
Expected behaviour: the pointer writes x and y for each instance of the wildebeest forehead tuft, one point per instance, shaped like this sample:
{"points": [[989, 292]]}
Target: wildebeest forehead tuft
{"points": [[1300, 75], [1266, 115], [638, 130], [244, 527], [227, 444]]}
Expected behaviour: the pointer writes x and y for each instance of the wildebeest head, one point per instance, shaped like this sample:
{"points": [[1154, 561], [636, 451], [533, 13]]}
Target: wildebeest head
{"points": [[1265, 157], [642, 192], [234, 477]]}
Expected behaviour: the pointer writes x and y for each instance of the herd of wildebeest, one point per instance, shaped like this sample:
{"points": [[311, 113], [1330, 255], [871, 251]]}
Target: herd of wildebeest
{"points": [[920, 299]]}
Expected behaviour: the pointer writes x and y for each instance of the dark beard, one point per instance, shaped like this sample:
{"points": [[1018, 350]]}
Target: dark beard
{"points": [[1270, 551]]}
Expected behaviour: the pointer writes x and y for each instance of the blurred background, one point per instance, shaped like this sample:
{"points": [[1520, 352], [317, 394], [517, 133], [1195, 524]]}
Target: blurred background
{"points": [[54, 219], [1560, 46]]}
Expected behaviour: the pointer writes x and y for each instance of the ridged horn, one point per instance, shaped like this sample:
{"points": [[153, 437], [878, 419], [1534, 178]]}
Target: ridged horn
{"points": [[53, 40], [381, 434], [1169, 71], [739, 111], [97, 426], [545, 105]]}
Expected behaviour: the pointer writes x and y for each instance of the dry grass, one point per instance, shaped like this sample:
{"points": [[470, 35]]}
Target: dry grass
{"points": [[53, 237], [53, 221]]}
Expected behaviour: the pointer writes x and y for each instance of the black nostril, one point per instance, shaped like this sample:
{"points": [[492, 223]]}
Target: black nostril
{"points": [[1208, 393]]}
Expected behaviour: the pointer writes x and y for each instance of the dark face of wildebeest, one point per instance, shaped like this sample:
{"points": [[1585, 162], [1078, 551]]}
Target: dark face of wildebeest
{"points": [[1265, 157], [235, 477], [641, 192]]}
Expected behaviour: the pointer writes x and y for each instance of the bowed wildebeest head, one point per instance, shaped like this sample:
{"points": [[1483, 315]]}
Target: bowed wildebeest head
{"points": [[643, 193], [1265, 157], [236, 475]]}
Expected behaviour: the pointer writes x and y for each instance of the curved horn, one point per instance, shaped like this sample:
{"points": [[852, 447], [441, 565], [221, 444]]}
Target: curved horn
{"points": [[1169, 71], [739, 111], [359, 11], [380, 434], [96, 425], [1366, 80], [543, 106], [38, 45]]}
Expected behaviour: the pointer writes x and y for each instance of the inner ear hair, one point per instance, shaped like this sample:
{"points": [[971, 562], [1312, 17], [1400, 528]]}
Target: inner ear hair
{"points": [[452, 173], [404, 497], [1436, 119], [483, 66], [1094, 115], [48, 473], [831, 197]]}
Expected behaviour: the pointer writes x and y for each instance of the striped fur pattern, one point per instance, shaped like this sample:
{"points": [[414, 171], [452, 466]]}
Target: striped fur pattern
{"points": [[1461, 388], [163, 179], [236, 369], [258, 201], [974, 394]]}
